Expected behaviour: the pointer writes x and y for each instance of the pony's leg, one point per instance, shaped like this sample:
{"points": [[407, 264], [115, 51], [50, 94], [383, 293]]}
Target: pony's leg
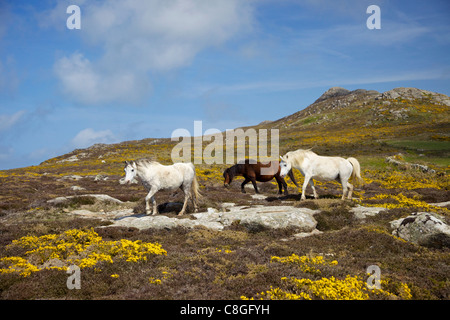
{"points": [[149, 197], [344, 189], [155, 207], [286, 192], [186, 198], [311, 183], [254, 185], [305, 184], [194, 202], [282, 184], [350, 191], [243, 184]]}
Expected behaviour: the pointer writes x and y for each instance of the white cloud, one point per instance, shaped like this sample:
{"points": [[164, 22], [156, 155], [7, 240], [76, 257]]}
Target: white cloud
{"points": [[140, 36], [83, 81], [8, 121], [87, 137]]}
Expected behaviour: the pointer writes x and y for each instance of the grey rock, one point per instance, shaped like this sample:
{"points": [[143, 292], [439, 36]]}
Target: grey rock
{"points": [[77, 188], [160, 222], [407, 165], [98, 197], [70, 177], [414, 93], [361, 212], [441, 204], [102, 215], [253, 218], [423, 228], [333, 92], [101, 177]]}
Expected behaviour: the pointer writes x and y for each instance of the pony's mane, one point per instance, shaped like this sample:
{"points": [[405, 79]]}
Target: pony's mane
{"points": [[306, 152], [297, 156], [145, 162]]}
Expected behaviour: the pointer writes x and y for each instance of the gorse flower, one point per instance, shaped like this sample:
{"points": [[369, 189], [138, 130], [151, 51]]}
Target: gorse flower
{"points": [[82, 248], [350, 288], [398, 201], [19, 265], [331, 288], [305, 263]]}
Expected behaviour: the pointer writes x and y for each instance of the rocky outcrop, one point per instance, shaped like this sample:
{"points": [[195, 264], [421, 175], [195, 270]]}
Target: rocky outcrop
{"points": [[423, 228], [253, 218], [98, 197], [338, 98], [332, 93], [406, 165], [413, 94]]}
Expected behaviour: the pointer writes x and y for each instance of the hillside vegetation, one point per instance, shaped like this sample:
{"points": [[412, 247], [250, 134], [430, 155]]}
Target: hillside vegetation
{"points": [[38, 238]]}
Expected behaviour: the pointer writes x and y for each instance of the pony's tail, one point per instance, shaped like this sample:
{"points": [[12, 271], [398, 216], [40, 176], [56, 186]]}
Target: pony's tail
{"points": [[196, 188], [356, 173]]}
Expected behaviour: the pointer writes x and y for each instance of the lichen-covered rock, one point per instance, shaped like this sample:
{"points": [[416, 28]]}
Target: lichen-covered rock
{"points": [[423, 228], [361, 212], [253, 218]]}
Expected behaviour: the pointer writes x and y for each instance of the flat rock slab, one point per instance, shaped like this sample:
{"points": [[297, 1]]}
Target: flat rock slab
{"points": [[361, 212], [108, 216], [98, 197], [254, 218]]}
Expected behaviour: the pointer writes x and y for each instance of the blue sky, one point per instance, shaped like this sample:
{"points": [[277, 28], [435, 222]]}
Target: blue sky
{"points": [[142, 68]]}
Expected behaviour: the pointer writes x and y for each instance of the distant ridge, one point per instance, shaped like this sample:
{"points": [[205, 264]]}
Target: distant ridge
{"points": [[337, 98], [337, 119]]}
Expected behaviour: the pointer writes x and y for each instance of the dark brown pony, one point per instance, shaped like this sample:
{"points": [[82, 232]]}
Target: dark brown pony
{"points": [[252, 172]]}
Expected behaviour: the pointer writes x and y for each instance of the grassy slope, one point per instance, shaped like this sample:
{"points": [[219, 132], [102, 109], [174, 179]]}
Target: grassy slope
{"points": [[206, 264]]}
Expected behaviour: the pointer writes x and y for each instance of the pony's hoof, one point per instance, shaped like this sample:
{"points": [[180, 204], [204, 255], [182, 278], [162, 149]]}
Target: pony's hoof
{"points": [[181, 213]]}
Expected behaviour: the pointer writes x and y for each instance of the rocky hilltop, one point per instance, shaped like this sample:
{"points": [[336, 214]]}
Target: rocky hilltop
{"points": [[342, 120], [337, 98], [414, 93], [402, 93]]}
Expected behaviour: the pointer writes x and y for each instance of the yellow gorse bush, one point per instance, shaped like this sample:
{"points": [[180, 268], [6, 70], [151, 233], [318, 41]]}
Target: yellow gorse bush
{"points": [[19, 265], [331, 288], [405, 179], [82, 248], [165, 275], [279, 294], [305, 263], [399, 201], [350, 288]]}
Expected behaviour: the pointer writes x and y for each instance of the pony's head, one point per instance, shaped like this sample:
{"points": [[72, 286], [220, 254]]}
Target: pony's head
{"points": [[285, 165], [130, 172], [228, 177]]}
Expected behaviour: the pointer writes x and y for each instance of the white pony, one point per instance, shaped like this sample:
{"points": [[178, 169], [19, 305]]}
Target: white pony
{"points": [[313, 166], [155, 176]]}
